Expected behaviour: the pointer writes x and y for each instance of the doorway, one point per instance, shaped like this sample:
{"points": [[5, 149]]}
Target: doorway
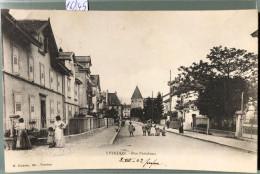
{"points": [[43, 112]]}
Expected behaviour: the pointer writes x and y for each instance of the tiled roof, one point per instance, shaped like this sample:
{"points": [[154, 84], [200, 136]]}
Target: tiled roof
{"points": [[32, 25], [95, 80], [137, 94], [113, 99]]}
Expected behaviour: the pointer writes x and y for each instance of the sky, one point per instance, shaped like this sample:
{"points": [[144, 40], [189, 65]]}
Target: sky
{"points": [[135, 48]]}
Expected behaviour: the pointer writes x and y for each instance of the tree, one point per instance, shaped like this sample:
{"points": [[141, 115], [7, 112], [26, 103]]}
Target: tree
{"points": [[137, 112], [148, 111], [111, 113], [212, 101], [230, 62], [158, 108], [230, 69]]}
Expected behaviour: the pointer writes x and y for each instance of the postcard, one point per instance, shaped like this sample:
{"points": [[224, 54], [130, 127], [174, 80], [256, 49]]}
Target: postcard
{"points": [[173, 90]]}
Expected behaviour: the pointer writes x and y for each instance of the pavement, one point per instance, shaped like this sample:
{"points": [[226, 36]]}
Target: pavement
{"points": [[245, 145], [99, 138]]}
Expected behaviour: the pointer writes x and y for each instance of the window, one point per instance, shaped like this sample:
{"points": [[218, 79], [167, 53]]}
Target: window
{"points": [[52, 108], [32, 107], [59, 87], [31, 69], [42, 75], [76, 89], [58, 108], [69, 87], [41, 40], [17, 103], [16, 60], [69, 111], [51, 80]]}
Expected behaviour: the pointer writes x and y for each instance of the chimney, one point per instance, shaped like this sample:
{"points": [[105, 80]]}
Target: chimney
{"points": [[115, 92], [60, 50]]}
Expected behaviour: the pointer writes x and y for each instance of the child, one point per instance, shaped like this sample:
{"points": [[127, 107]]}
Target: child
{"points": [[163, 132], [50, 139]]}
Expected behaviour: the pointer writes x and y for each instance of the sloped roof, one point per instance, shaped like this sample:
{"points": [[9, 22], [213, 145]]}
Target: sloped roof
{"points": [[137, 94], [32, 26], [113, 99], [9, 21], [95, 80]]}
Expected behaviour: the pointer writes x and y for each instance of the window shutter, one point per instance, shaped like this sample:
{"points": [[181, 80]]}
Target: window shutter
{"points": [[31, 69], [15, 60], [58, 108], [17, 103], [51, 79], [42, 74], [52, 108], [32, 107]]}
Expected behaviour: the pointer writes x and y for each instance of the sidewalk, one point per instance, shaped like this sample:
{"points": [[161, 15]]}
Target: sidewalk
{"points": [[248, 146], [100, 137]]}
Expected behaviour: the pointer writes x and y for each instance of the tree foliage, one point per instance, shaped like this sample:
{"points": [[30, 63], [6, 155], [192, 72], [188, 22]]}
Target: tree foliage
{"points": [[222, 97], [137, 112], [223, 68], [153, 109]]}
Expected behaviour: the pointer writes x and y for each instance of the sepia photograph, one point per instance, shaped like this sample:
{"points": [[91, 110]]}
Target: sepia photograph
{"points": [[171, 90]]}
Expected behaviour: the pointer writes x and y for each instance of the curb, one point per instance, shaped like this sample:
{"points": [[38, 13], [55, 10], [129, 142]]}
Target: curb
{"points": [[114, 137], [239, 148]]}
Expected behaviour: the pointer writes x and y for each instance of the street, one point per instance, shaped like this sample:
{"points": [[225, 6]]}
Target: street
{"points": [[133, 152]]}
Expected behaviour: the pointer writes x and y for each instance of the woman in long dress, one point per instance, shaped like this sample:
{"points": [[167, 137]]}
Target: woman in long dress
{"points": [[23, 141], [59, 137]]}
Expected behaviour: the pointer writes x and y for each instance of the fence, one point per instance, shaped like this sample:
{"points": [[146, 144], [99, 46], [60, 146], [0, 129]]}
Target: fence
{"points": [[98, 123], [250, 128], [77, 126]]}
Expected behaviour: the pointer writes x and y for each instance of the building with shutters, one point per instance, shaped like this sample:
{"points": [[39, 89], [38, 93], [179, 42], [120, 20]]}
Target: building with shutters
{"points": [[33, 76], [137, 100]]}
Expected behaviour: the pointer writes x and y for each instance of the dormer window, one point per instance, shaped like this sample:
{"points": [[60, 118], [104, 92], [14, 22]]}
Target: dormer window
{"points": [[44, 41]]}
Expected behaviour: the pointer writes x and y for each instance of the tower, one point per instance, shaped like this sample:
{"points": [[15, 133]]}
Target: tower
{"points": [[137, 99]]}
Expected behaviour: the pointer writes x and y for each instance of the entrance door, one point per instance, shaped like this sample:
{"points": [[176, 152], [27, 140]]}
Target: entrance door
{"points": [[43, 112]]}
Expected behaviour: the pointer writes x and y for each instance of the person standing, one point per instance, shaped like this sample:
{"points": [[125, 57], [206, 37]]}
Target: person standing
{"points": [[144, 129], [23, 141], [59, 127], [168, 124], [131, 129], [148, 128]]}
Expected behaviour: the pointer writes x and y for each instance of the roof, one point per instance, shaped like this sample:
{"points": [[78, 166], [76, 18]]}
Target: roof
{"points": [[16, 26], [113, 99], [95, 79], [255, 34], [137, 94], [33, 26], [83, 59], [66, 55]]}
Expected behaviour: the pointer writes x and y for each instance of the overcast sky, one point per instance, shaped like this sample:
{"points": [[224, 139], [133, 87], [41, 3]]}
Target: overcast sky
{"points": [[140, 48]]}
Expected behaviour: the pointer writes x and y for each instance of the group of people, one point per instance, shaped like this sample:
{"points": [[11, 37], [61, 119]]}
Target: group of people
{"points": [[147, 127], [55, 135]]}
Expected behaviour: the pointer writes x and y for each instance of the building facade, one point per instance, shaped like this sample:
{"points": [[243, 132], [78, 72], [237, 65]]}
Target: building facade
{"points": [[32, 77], [126, 111]]}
